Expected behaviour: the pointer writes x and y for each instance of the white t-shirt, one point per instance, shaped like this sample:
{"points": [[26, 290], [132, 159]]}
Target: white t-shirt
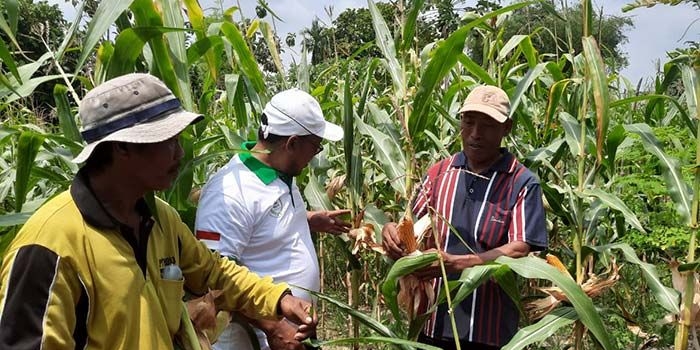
{"points": [[248, 213]]}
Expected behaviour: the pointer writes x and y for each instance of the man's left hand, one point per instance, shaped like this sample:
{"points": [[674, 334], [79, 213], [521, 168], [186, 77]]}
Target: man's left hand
{"points": [[328, 221], [453, 263]]}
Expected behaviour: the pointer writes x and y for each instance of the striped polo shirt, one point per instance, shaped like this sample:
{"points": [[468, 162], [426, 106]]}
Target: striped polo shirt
{"points": [[487, 210]]}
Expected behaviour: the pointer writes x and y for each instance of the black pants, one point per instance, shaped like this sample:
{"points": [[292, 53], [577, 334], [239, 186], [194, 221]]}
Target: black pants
{"points": [[449, 344]]}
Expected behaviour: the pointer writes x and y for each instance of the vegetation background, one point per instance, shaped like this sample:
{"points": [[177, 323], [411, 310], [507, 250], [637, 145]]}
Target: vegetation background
{"points": [[617, 160]]}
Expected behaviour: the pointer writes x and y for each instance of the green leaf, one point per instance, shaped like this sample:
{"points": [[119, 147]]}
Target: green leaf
{"points": [[667, 297], [475, 69], [65, 116], [572, 130], [27, 148], [316, 196], [385, 41], [14, 219], [6, 58], [679, 190], [532, 267], [370, 340], [402, 267], [686, 119], [172, 17], [613, 202], [596, 73], [409, 28], [523, 85], [269, 36], [106, 14], [12, 8], [364, 319], [471, 279], [543, 329], [556, 93], [443, 59], [129, 46], [388, 153], [246, 60]]}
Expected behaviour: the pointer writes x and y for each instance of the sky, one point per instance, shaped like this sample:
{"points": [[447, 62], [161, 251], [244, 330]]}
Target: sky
{"points": [[656, 30]]}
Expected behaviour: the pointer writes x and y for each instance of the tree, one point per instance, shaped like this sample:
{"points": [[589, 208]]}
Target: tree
{"points": [[41, 24], [551, 32], [317, 40]]}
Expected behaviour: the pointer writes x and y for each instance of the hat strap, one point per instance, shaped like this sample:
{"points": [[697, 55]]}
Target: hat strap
{"points": [[129, 120]]}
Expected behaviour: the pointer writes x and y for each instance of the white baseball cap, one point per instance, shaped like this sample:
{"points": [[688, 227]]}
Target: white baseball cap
{"points": [[295, 112]]}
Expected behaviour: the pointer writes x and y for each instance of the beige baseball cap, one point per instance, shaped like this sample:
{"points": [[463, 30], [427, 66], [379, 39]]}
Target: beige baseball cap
{"points": [[489, 100], [134, 108]]}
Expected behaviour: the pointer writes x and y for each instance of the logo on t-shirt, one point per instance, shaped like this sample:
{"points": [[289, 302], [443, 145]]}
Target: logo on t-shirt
{"points": [[276, 210]]}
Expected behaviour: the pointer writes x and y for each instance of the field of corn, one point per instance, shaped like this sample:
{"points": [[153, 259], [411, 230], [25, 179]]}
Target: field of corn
{"points": [[618, 163]]}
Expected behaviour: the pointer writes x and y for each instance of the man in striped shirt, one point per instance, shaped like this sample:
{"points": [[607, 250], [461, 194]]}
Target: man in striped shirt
{"points": [[494, 206]]}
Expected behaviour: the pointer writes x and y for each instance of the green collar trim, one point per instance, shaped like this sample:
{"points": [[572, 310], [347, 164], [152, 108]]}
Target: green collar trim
{"points": [[264, 172]]}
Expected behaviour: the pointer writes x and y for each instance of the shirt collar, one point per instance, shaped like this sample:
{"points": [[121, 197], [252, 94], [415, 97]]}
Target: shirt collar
{"points": [[264, 172], [92, 209], [503, 165]]}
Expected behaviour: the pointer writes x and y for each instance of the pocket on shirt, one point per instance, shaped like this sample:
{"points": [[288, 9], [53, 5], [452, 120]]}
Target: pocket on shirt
{"points": [[171, 293], [495, 226]]}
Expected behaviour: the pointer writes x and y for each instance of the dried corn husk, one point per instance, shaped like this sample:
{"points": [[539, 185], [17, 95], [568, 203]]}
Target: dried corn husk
{"points": [[593, 287], [364, 239], [415, 296], [407, 235], [205, 320]]}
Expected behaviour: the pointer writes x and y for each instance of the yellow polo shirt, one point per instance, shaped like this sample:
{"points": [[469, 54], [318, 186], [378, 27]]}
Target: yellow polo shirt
{"points": [[74, 278]]}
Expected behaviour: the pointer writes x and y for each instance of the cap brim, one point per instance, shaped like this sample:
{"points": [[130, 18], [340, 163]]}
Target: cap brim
{"points": [[332, 132], [491, 112], [155, 131]]}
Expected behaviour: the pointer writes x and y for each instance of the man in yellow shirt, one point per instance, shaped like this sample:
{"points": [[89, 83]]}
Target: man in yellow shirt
{"points": [[98, 268]]}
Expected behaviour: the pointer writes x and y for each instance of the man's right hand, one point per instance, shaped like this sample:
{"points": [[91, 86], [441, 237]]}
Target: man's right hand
{"points": [[391, 242], [282, 335], [300, 312]]}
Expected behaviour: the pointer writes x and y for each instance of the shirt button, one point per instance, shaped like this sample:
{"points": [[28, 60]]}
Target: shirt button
{"points": [[471, 190]]}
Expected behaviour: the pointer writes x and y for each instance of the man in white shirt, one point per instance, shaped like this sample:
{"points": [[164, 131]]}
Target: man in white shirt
{"points": [[252, 211]]}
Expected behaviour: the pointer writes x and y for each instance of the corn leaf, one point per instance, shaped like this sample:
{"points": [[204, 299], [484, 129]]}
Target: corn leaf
{"points": [[271, 42], [543, 329], [106, 14], [601, 96], [375, 325], [129, 46], [667, 297], [403, 267], [27, 148], [532, 267], [444, 58], [385, 42], [572, 131], [14, 219], [65, 116], [172, 17], [409, 28], [370, 340], [246, 60], [679, 190], [388, 153], [613, 202]]}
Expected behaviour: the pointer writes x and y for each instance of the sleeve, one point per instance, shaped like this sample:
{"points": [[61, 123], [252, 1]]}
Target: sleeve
{"points": [[224, 224], [244, 291], [528, 221], [43, 301]]}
